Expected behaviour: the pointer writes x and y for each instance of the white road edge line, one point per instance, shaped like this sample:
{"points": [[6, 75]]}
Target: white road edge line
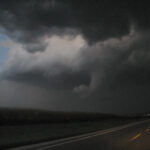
{"points": [[50, 144]]}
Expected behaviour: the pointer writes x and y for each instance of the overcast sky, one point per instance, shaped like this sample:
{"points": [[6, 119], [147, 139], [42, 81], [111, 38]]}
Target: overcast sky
{"points": [[71, 55]]}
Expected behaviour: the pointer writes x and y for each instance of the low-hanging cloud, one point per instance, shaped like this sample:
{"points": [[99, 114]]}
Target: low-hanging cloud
{"points": [[91, 50], [72, 63]]}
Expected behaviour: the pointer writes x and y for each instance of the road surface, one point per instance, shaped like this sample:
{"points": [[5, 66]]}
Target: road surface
{"points": [[135, 136]]}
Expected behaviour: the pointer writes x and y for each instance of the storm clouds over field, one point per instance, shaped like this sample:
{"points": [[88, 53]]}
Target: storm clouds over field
{"points": [[90, 55]]}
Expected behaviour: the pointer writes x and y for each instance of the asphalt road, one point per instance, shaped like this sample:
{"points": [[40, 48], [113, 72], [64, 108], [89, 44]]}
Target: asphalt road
{"points": [[135, 136]]}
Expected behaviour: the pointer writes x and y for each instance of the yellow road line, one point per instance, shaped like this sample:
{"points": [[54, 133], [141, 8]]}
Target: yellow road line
{"points": [[135, 137]]}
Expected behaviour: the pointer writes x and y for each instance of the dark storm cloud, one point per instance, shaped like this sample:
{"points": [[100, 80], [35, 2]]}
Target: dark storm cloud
{"points": [[104, 66], [135, 70], [112, 66], [29, 21], [65, 80]]}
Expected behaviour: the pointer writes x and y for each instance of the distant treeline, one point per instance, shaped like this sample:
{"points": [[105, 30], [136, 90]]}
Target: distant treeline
{"points": [[25, 116]]}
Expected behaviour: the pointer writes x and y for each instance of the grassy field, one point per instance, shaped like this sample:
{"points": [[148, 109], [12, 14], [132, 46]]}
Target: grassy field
{"points": [[29, 116], [32, 127]]}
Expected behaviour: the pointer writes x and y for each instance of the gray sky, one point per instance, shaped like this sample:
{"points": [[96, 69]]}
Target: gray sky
{"points": [[67, 55]]}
